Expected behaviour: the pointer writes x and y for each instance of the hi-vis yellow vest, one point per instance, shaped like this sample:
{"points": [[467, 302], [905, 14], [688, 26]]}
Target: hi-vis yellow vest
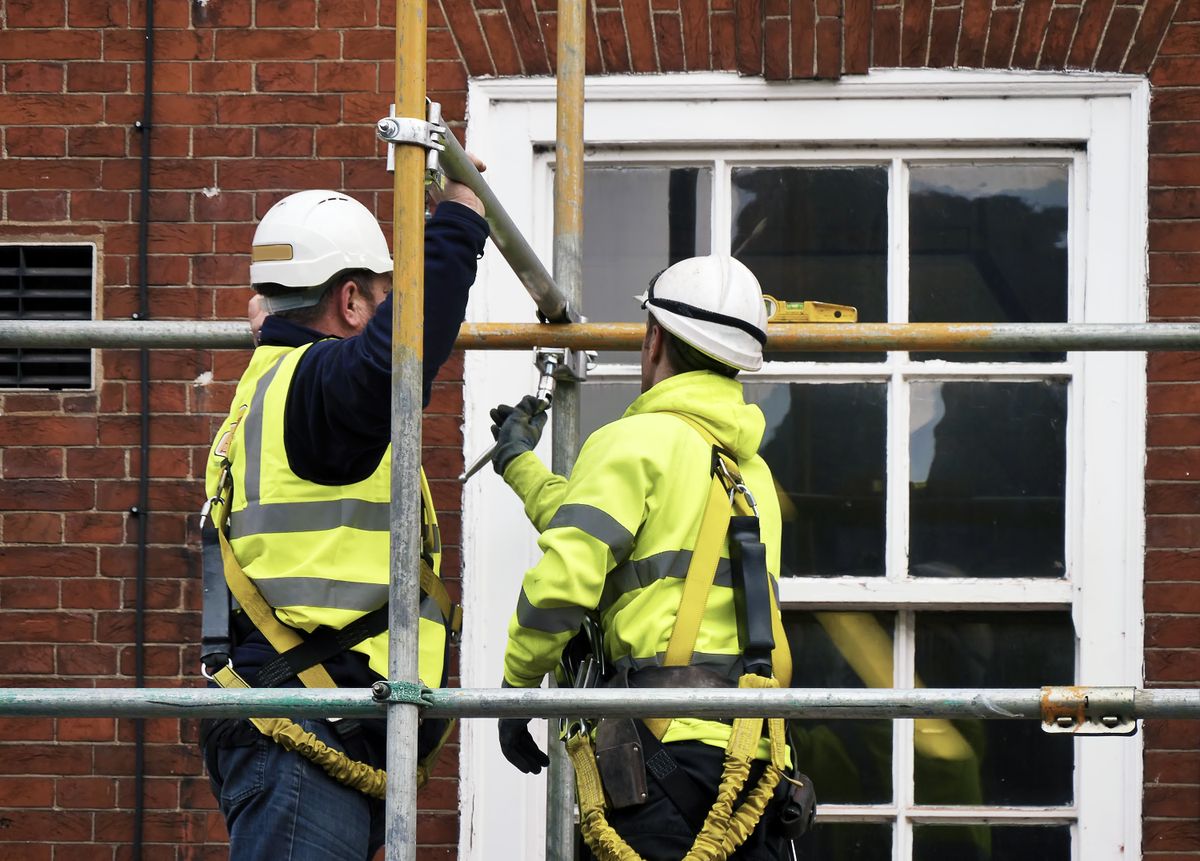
{"points": [[318, 554]]}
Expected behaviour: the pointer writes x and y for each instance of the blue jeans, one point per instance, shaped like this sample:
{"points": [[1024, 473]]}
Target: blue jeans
{"points": [[278, 805]]}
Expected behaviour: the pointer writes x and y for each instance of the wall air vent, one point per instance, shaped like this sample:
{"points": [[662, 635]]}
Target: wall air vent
{"points": [[46, 282]]}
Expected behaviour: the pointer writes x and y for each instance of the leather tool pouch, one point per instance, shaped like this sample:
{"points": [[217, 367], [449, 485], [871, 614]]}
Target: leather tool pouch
{"points": [[621, 762], [799, 809]]}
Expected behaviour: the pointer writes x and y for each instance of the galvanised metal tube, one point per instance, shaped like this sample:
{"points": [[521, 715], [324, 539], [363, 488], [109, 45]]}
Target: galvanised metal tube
{"points": [[408, 244], [568, 273], [872, 703], [826, 337], [857, 337], [508, 239]]}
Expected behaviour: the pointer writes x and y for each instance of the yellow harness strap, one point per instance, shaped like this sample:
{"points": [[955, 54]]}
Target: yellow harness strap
{"points": [[280, 636], [725, 828], [432, 586], [284, 731]]}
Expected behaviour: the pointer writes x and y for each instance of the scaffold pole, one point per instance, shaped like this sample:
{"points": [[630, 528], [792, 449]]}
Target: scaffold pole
{"points": [[842, 703], [408, 253], [822, 337], [568, 274]]}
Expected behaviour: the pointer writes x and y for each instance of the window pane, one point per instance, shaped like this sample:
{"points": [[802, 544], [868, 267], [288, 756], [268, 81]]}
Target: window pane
{"points": [[988, 472], [825, 445], [849, 761], [846, 841], [815, 233], [636, 222], [991, 843], [988, 243], [993, 761]]}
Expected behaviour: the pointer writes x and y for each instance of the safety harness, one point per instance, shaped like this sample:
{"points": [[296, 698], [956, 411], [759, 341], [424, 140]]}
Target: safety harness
{"points": [[730, 512], [298, 655]]}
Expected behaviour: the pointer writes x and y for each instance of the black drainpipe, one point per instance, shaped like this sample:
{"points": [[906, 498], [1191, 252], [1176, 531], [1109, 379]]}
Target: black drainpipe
{"points": [[141, 511]]}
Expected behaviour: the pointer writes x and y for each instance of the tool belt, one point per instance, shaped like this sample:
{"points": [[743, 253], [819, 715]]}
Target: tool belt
{"points": [[298, 656], [628, 751]]}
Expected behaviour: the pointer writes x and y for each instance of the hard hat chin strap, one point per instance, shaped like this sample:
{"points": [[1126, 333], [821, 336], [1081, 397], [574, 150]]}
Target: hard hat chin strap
{"points": [[291, 301]]}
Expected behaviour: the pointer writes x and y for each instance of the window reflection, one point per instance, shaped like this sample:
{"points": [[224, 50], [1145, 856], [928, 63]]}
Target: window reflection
{"points": [[825, 445], [988, 243], [988, 469], [850, 761], [994, 650], [636, 222], [991, 842], [815, 233]]}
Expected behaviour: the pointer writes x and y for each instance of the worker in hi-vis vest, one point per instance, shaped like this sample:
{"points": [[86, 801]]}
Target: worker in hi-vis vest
{"points": [[621, 538], [300, 471]]}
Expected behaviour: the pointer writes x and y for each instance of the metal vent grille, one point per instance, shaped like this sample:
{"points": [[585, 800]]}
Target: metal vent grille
{"points": [[46, 282]]}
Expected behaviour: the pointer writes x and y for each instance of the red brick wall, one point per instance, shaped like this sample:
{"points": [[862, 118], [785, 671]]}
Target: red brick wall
{"points": [[255, 100]]}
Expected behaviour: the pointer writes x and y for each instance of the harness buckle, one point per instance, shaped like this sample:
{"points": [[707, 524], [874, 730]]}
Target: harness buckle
{"points": [[216, 498], [205, 672], [744, 491]]}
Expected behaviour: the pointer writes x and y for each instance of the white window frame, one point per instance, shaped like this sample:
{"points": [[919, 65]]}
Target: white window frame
{"points": [[1098, 121]]}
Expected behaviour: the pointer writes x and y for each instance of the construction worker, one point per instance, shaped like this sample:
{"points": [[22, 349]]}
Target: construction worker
{"points": [[302, 464], [618, 540]]}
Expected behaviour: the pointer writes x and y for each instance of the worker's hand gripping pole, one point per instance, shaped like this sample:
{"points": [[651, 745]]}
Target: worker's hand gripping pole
{"points": [[553, 364]]}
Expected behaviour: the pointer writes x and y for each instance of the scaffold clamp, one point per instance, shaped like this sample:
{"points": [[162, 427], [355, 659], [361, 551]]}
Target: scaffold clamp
{"points": [[565, 363], [1089, 710], [408, 693], [428, 133]]}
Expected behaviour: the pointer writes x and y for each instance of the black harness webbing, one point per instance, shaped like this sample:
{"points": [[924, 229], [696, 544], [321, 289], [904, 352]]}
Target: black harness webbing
{"points": [[216, 645], [321, 645], [688, 797], [751, 595]]}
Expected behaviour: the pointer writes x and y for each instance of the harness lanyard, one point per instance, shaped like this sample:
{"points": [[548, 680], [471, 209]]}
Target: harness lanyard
{"points": [[726, 826]]}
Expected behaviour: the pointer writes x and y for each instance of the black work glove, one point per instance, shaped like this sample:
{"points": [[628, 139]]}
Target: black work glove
{"points": [[516, 430], [518, 745]]}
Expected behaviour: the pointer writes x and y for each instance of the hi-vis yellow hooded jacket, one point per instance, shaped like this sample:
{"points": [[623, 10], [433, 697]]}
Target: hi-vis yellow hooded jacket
{"points": [[617, 536], [317, 553]]}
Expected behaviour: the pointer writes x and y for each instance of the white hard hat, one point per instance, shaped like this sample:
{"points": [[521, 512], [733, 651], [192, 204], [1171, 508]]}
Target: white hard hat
{"points": [[310, 236], [715, 304]]}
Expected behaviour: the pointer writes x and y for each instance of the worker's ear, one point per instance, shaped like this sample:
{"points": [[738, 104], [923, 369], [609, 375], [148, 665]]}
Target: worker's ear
{"points": [[656, 343], [354, 306]]}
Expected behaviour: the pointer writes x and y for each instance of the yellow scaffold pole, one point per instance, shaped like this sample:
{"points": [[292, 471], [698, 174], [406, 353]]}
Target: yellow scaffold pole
{"points": [[408, 252]]}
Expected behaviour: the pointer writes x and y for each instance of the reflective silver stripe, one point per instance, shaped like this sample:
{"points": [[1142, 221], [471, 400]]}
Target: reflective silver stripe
{"points": [[729, 666], [335, 595], [321, 592], [259, 518], [254, 432], [596, 523], [554, 620], [635, 574]]}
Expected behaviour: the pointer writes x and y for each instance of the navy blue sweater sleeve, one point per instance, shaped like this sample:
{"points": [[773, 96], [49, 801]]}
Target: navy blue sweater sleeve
{"points": [[338, 417]]}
